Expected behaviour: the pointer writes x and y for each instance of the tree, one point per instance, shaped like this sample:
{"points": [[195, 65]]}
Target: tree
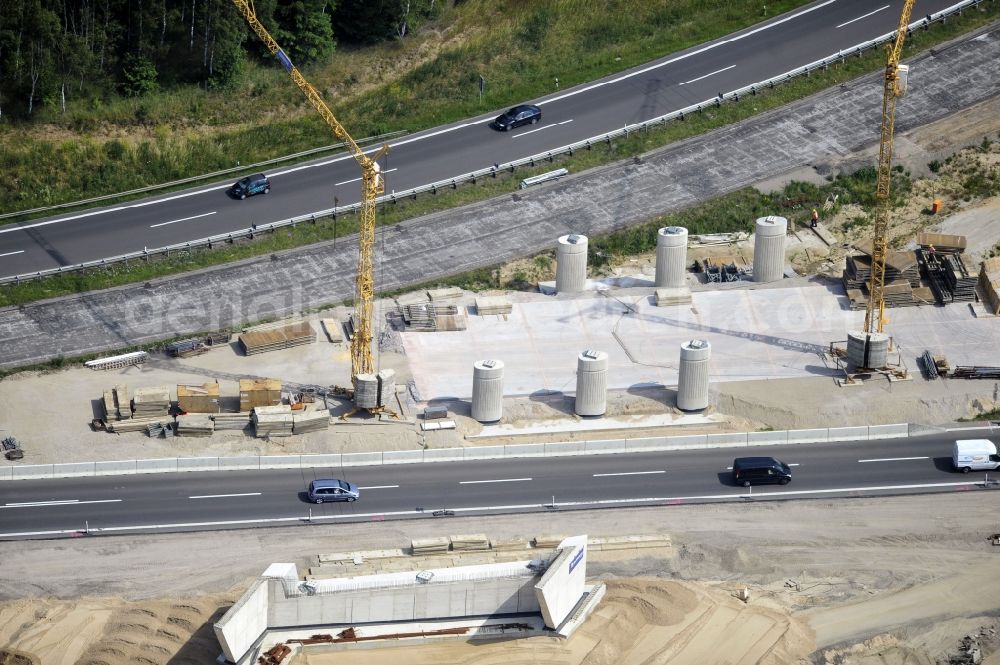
{"points": [[138, 76], [304, 30], [372, 21]]}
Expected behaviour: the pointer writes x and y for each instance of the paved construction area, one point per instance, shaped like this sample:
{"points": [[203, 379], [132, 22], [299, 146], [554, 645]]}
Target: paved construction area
{"points": [[755, 334], [816, 131]]}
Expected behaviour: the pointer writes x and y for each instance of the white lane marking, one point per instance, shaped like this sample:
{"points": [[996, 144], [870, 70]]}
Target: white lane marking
{"points": [[627, 473], [671, 61], [379, 487], [863, 16], [66, 502], [717, 71], [501, 480], [565, 122], [532, 131], [183, 219], [524, 506], [890, 459], [20, 251], [338, 184], [223, 496]]}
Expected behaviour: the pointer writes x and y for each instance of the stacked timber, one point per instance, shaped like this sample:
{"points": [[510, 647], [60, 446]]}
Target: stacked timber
{"points": [[136, 424], [272, 421], [195, 424], [493, 305], [231, 421], [304, 422], [450, 322], [108, 406], [122, 404], [198, 399], [259, 392], [857, 298], [898, 294], [333, 330], [989, 284], [262, 341], [942, 242], [673, 296], [151, 402], [435, 545], [470, 542], [547, 540], [445, 293]]}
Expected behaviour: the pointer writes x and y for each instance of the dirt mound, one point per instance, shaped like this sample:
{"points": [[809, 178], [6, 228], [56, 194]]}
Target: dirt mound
{"points": [[17, 658]]}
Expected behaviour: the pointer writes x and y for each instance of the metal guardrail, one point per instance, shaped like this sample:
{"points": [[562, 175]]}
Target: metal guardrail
{"points": [[533, 160], [204, 176]]}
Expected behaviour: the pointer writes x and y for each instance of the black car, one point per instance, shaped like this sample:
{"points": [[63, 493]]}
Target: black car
{"points": [[526, 114], [749, 471], [250, 185]]}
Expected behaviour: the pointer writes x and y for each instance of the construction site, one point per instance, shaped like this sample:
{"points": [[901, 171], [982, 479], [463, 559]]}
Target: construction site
{"points": [[800, 324]]}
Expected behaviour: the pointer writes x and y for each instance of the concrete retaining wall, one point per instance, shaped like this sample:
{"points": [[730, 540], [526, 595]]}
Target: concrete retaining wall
{"points": [[15, 471]]}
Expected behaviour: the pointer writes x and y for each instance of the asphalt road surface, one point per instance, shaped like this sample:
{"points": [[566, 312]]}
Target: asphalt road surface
{"points": [[193, 501], [676, 81]]}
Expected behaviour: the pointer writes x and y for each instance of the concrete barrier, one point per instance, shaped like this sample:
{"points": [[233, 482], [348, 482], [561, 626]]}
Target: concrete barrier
{"points": [[244, 463], [564, 448], [73, 469], [849, 433], [888, 431], [280, 461], [483, 452], [444, 455], [726, 440], [115, 468], [6, 473], [646, 444], [402, 456], [322, 459], [361, 459], [197, 464], [689, 441], [524, 450], [605, 447], [163, 465], [767, 438], [32, 471], [821, 435]]}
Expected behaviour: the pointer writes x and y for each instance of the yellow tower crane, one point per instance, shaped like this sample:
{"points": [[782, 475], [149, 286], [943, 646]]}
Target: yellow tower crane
{"points": [[895, 86], [372, 185]]}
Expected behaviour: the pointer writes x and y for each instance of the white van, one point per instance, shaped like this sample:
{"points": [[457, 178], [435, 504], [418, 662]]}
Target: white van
{"points": [[975, 455]]}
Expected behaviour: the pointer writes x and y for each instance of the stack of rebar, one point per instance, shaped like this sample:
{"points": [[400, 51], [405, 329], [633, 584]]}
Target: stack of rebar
{"points": [[976, 372]]}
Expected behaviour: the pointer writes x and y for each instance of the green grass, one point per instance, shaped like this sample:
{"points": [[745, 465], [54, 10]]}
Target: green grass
{"points": [[858, 188], [985, 415]]}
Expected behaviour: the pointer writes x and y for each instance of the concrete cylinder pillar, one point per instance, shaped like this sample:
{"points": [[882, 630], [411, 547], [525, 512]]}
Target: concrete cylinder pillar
{"points": [[867, 350], [671, 257], [571, 263], [692, 381], [769, 249], [487, 390], [591, 384]]}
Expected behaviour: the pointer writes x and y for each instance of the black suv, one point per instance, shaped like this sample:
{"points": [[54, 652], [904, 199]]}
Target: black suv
{"points": [[519, 115], [250, 185], [749, 471]]}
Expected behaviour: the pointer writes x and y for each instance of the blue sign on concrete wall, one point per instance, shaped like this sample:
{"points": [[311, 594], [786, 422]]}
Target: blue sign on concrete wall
{"points": [[577, 559]]}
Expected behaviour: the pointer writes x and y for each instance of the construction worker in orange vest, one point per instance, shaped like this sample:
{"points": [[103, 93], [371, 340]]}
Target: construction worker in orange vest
{"points": [[815, 218]]}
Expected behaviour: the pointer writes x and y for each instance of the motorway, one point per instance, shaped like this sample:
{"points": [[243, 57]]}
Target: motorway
{"points": [[208, 501], [757, 53]]}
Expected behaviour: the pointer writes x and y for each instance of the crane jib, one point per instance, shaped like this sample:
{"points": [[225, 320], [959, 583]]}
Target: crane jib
{"points": [[285, 61]]}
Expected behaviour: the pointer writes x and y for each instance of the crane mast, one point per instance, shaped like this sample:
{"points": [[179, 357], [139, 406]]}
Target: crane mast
{"points": [[372, 185], [875, 313]]}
